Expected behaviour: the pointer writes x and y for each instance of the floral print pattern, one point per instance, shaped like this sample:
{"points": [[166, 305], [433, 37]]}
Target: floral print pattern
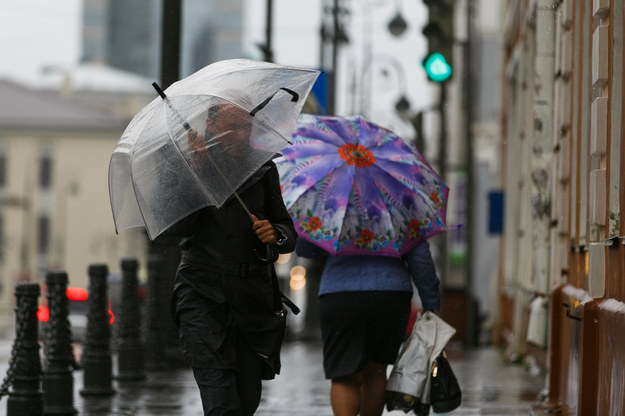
{"points": [[386, 209], [356, 154]]}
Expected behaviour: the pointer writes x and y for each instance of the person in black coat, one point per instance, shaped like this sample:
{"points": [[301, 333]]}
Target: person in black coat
{"points": [[226, 301]]}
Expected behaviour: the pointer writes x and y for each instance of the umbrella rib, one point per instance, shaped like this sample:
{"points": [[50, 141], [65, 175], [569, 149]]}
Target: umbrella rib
{"points": [[134, 190], [111, 195], [252, 113], [187, 127], [197, 178]]}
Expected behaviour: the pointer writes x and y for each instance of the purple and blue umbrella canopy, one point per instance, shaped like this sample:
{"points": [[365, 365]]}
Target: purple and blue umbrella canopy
{"points": [[355, 188]]}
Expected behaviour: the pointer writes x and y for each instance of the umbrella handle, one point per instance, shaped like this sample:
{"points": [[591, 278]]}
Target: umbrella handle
{"points": [[271, 253]]}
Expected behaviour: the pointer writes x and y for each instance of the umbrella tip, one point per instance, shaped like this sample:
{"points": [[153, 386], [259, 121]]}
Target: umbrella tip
{"points": [[159, 90]]}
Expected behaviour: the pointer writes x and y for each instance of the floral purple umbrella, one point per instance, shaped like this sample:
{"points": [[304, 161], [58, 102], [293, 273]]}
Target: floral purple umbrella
{"points": [[355, 188]]}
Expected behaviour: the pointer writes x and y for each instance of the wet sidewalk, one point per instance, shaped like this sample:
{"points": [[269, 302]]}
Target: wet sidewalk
{"points": [[490, 387]]}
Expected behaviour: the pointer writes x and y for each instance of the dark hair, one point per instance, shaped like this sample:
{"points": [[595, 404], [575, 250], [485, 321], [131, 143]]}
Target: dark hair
{"points": [[213, 111]]}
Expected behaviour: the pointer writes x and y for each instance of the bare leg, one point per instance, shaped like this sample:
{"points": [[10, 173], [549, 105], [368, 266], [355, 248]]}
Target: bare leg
{"points": [[373, 390], [345, 394]]}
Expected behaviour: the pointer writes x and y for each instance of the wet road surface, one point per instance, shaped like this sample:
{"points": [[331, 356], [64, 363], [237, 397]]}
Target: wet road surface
{"points": [[489, 386]]}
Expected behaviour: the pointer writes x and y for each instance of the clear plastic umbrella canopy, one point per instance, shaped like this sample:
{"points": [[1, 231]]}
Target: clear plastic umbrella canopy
{"points": [[202, 139]]}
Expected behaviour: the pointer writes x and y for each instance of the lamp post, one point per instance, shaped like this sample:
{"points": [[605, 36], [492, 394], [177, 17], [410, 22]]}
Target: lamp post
{"points": [[266, 47], [383, 64], [336, 33], [339, 37], [164, 246], [397, 26], [335, 51]]}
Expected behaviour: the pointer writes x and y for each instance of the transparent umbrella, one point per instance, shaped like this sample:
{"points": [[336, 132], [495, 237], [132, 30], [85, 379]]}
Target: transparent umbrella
{"points": [[197, 143]]}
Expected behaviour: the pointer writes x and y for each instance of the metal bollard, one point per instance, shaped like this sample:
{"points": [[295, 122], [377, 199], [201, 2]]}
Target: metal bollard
{"points": [[58, 381], [96, 358], [25, 396], [130, 350]]}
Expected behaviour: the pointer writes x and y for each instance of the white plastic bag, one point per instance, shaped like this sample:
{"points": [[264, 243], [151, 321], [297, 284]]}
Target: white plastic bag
{"points": [[408, 386]]}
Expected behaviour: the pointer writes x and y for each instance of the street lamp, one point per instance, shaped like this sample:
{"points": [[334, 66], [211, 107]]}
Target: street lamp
{"points": [[402, 105], [397, 26]]}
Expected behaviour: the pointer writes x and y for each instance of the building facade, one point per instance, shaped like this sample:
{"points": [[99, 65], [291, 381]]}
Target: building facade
{"points": [[54, 206], [562, 262], [126, 34]]}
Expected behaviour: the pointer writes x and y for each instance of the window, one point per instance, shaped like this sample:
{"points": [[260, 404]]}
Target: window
{"points": [[45, 171], [3, 170], [2, 247], [43, 234]]}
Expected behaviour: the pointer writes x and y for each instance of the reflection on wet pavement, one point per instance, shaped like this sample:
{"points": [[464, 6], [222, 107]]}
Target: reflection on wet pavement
{"points": [[489, 386]]}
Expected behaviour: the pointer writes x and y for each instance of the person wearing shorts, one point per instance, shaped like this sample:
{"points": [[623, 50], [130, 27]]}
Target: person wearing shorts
{"points": [[364, 308]]}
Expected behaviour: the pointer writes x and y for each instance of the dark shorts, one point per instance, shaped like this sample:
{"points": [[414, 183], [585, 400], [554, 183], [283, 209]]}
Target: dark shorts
{"points": [[362, 327]]}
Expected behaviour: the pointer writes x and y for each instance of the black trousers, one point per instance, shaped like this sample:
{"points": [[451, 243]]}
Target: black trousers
{"points": [[227, 370], [228, 392]]}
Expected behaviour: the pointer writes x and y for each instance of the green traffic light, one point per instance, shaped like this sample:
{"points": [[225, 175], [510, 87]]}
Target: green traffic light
{"points": [[437, 68]]}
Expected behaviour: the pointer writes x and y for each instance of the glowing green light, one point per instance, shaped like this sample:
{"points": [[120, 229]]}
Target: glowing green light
{"points": [[437, 68]]}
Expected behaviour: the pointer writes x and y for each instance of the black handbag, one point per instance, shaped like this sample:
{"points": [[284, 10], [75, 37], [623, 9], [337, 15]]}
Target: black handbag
{"points": [[445, 394]]}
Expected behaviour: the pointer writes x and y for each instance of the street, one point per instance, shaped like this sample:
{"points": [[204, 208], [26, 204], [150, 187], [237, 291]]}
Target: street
{"points": [[489, 386]]}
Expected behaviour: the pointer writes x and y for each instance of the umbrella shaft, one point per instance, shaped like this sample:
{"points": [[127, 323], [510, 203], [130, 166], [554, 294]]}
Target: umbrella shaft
{"points": [[236, 195]]}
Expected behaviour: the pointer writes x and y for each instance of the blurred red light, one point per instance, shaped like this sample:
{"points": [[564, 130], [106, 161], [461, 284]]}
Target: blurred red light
{"points": [[43, 314], [112, 318], [77, 293]]}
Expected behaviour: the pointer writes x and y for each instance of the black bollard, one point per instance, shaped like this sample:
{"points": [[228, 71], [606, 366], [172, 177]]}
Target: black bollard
{"points": [[130, 350], [162, 349], [25, 396], [96, 358], [58, 381]]}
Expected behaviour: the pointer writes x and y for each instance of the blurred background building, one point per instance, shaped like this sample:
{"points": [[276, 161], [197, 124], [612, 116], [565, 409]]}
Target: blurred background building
{"points": [[561, 264], [54, 209], [127, 34], [371, 52]]}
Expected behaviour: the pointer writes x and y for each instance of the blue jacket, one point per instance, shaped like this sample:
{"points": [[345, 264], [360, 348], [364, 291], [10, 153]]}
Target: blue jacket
{"points": [[367, 273]]}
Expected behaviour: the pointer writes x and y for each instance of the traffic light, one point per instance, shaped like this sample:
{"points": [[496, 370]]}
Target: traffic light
{"points": [[439, 33], [437, 68]]}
